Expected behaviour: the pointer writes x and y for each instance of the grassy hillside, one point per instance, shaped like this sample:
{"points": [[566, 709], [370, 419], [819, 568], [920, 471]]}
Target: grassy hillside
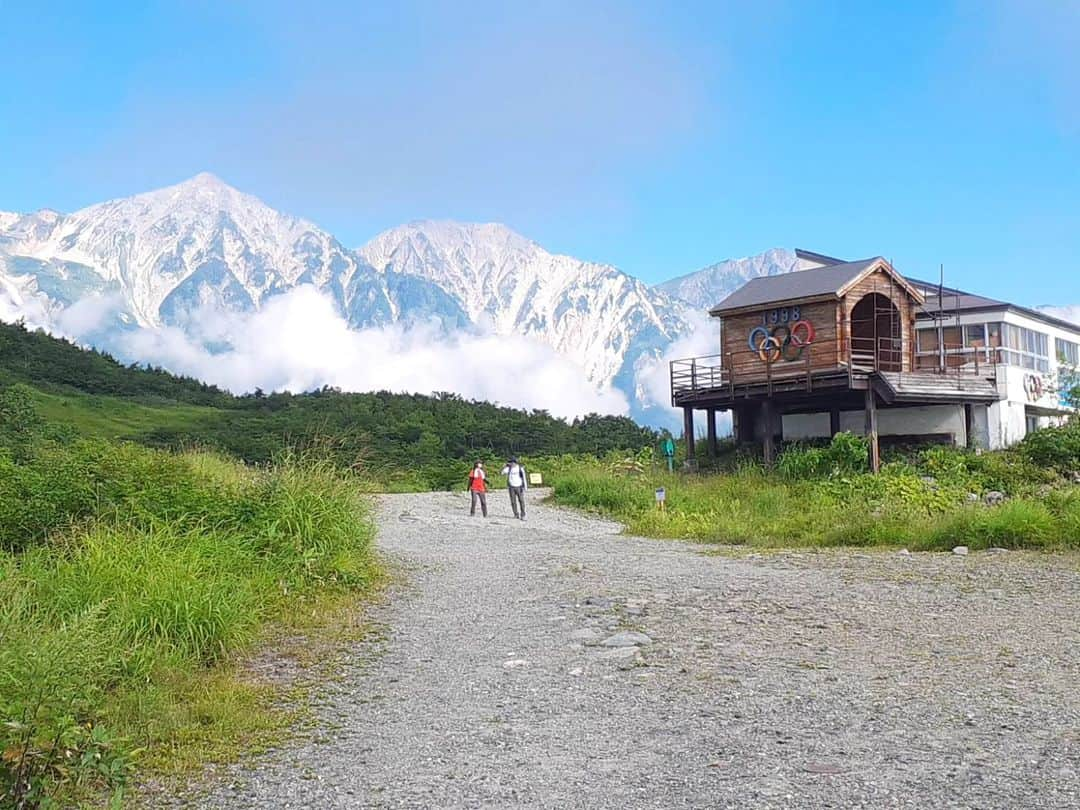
{"points": [[400, 441]]}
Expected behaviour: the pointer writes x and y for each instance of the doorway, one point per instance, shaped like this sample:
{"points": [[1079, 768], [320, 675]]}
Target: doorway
{"points": [[876, 338]]}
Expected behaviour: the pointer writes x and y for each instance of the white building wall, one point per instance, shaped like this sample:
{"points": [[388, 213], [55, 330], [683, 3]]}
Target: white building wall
{"points": [[914, 421], [1006, 421], [806, 426]]}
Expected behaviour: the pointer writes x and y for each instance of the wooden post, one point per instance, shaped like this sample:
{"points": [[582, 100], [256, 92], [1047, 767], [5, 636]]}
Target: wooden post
{"points": [[872, 430], [969, 423], [710, 427], [688, 433], [768, 444], [834, 421]]}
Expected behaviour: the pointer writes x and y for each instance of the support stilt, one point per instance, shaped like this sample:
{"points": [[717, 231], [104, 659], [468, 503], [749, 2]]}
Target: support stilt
{"points": [[872, 430], [710, 427], [688, 433], [768, 444], [834, 422]]}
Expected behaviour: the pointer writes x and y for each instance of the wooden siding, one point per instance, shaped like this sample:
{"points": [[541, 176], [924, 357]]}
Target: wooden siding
{"points": [[747, 365], [883, 283], [832, 330]]}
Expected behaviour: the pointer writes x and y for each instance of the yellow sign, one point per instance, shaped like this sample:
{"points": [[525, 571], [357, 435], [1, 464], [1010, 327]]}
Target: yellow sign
{"points": [[536, 480]]}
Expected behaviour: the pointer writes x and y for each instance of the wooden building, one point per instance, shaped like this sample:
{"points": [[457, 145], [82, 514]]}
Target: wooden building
{"points": [[832, 339]]}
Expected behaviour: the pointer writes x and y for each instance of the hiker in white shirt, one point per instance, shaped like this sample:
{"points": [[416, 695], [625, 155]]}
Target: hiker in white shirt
{"points": [[517, 482]]}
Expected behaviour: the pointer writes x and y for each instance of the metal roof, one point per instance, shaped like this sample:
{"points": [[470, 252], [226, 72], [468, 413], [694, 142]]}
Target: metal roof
{"points": [[817, 281], [817, 257], [954, 301]]}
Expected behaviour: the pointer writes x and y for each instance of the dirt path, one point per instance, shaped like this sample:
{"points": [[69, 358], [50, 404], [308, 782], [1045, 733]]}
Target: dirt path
{"points": [[789, 680]]}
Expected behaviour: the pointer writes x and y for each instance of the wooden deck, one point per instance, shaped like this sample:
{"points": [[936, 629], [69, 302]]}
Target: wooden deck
{"points": [[703, 383]]}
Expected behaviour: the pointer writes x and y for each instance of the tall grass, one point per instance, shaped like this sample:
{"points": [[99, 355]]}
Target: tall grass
{"points": [[816, 498], [128, 585]]}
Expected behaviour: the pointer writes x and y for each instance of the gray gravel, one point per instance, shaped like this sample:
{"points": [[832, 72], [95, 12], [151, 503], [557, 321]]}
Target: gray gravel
{"points": [[556, 663]]}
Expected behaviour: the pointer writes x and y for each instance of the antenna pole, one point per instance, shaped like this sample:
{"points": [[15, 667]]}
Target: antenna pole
{"points": [[941, 317]]}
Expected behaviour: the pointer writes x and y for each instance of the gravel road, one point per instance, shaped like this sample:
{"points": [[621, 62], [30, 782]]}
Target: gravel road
{"points": [[556, 663]]}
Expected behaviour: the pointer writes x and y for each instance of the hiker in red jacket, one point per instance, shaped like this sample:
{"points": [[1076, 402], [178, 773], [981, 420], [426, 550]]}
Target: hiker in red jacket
{"points": [[478, 488]]}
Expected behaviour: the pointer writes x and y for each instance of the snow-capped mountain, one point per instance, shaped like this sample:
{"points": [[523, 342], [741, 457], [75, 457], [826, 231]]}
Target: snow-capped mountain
{"points": [[159, 258], [595, 314], [707, 287], [201, 242]]}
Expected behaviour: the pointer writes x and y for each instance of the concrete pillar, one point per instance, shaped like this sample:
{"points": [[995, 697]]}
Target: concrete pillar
{"points": [[834, 422]]}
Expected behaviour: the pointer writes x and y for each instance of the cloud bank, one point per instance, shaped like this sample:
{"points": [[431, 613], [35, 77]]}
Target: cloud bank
{"points": [[299, 342]]}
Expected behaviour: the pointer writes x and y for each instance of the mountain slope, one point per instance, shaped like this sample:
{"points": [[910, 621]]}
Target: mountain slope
{"points": [[707, 287], [593, 313]]}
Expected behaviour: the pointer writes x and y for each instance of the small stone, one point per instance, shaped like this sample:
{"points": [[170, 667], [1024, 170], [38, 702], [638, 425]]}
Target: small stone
{"points": [[904, 552], [993, 498], [627, 638], [972, 497], [515, 663], [577, 672], [623, 657], [618, 653], [996, 550], [597, 601], [960, 551]]}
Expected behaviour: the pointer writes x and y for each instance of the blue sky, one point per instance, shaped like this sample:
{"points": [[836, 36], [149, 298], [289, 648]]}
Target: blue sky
{"points": [[657, 137]]}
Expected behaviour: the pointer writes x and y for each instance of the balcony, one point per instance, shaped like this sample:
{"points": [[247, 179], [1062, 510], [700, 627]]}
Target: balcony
{"points": [[829, 366]]}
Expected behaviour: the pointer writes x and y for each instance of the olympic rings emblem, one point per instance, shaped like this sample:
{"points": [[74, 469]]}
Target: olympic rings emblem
{"points": [[784, 341], [1033, 387]]}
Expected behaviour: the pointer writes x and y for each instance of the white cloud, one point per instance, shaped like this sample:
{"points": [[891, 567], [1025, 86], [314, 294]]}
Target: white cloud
{"points": [[88, 314], [16, 305], [653, 380], [299, 342], [1070, 313]]}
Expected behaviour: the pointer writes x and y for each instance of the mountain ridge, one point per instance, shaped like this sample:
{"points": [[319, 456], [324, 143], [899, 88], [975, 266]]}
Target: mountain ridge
{"points": [[161, 257]]}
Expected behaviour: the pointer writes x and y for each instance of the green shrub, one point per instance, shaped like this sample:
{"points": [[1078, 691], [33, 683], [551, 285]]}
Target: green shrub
{"points": [[846, 454], [1057, 447]]}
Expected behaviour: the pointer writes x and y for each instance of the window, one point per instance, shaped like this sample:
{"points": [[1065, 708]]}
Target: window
{"points": [[1024, 347], [1068, 353], [960, 344], [926, 340], [975, 335]]}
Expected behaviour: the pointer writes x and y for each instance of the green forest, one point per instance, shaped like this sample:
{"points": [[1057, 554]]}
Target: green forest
{"points": [[400, 441]]}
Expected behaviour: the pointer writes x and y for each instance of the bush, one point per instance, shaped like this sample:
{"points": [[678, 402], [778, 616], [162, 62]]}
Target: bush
{"points": [[846, 454], [1057, 447]]}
